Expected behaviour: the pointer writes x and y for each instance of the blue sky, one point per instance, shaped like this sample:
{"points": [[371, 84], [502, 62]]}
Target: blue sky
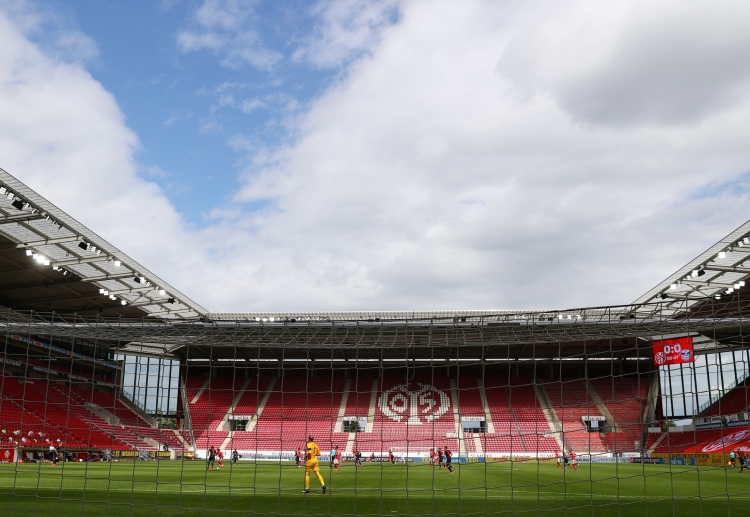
{"points": [[386, 155], [198, 114]]}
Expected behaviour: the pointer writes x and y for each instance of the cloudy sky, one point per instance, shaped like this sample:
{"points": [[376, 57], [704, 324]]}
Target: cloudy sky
{"points": [[386, 155]]}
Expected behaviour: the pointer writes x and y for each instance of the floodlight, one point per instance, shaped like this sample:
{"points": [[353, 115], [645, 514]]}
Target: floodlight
{"points": [[18, 204], [83, 245], [123, 302], [118, 263], [701, 272], [162, 292], [29, 252], [673, 286], [722, 254]]}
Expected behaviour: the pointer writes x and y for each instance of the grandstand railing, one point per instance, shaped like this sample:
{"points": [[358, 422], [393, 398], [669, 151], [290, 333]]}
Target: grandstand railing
{"points": [[729, 387], [131, 398]]}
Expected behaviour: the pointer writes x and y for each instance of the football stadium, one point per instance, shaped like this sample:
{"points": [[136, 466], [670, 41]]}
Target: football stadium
{"points": [[121, 396]]}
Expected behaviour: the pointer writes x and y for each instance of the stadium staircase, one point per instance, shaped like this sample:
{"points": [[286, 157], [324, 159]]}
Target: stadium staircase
{"points": [[490, 425], [622, 400], [570, 401], [457, 418], [549, 414], [651, 446], [342, 407]]}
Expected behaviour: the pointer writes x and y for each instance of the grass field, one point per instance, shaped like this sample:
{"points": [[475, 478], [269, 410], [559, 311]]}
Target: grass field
{"points": [[186, 488]]}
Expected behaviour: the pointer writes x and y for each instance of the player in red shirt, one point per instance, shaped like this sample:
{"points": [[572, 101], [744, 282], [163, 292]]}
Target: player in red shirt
{"points": [[559, 460], [432, 457], [573, 461], [220, 456], [336, 459]]}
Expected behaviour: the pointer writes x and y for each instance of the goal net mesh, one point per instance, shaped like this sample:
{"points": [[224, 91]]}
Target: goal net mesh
{"points": [[621, 410]]}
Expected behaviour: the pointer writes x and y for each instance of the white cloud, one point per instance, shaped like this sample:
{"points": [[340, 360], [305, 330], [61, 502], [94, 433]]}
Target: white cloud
{"points": [[64, 135], [343, 29], [227, 29], [426, 178], [477, 155]]}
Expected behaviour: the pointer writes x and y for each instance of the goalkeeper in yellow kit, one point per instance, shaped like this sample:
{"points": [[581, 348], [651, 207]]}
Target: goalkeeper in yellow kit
{"points": [[311, 463]]}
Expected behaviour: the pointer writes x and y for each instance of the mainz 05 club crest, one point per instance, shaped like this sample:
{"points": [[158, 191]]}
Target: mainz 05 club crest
{"points": [[420, 406]]}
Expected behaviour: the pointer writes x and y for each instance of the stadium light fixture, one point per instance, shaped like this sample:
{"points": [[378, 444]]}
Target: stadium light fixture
{"points": [[83, 245], [123, 302], [701, 272], [29, 252], [170, 300], [18, 204], [722, 254], [162, 292], [118, 263], [673, 287]]}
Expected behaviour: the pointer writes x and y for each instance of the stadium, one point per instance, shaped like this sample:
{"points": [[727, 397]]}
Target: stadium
{"points": [[132, 383]]}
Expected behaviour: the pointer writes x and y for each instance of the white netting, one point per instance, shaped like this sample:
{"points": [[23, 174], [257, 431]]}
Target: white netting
{"points": [[136, 433]]}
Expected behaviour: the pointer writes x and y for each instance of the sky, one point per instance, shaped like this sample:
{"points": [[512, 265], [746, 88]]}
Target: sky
{"points": [[348, 155]]}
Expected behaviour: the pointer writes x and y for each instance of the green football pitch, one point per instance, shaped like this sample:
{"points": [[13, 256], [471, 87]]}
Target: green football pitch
{"points": [[186, 488]]}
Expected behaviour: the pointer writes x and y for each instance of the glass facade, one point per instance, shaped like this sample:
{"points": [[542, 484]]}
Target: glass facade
{"points": [[152, 383], [687, 389]]}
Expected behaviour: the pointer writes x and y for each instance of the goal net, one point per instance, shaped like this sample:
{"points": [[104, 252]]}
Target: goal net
{"points": [[646, 408]]}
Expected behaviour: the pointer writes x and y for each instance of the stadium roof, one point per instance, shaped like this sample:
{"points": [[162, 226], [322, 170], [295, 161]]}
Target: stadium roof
{"points": [[51, 262], [57, 277], [719, 273]]}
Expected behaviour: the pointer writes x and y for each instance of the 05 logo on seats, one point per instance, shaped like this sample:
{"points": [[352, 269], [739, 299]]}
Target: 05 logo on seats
{"points": [[424, 404]]}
